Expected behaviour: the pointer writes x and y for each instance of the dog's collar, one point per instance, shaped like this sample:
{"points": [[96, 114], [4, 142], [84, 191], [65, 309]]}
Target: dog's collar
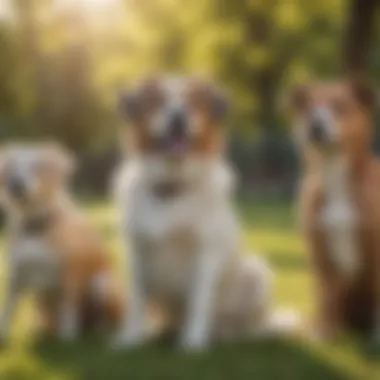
{"points": [[37, 224], [168, 189]]}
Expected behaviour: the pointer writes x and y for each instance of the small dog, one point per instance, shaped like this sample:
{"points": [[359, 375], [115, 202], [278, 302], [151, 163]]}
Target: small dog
{"points": [[340, 203], [175, 194], [54, 252]]}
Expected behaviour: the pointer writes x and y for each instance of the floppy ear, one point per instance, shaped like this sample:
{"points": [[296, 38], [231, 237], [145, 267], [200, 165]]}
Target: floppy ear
{"points": [[133, 101], [298, 99], [364, 92]]}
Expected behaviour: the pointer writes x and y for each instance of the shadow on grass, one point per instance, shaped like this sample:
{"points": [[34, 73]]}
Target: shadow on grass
{"points": [[265, 361]]}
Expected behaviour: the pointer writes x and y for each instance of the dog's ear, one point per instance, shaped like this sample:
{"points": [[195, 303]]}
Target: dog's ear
{"points": [[209, 97], [364, 92], [63, 161], [135, 101], [298, 99]]}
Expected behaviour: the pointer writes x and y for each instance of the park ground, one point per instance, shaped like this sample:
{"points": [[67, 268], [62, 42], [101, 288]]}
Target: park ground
{"points": [[269, 229]]}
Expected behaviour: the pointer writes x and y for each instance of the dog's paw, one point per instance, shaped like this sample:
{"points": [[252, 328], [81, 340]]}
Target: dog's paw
{"points": [[67, 333], [194, 342], [68, 324], [127, 339]]}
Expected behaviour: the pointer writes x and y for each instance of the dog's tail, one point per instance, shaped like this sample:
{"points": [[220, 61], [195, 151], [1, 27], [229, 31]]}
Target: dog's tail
{"points": [[281, 323], [284, 322], [271, 322]]}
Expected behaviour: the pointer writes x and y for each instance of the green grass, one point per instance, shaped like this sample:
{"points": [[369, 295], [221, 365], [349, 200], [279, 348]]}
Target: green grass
{"points": [[269, 229]]}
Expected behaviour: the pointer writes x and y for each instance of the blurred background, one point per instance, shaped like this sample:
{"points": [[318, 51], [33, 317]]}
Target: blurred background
{"points": [[62, 63]]}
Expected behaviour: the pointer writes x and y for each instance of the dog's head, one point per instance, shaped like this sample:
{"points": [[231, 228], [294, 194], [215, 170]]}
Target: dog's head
{"points": [[175, 118], [32, 174], [334, 117]]}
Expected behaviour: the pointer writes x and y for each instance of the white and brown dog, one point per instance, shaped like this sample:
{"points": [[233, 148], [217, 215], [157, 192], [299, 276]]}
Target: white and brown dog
{"points": [[340, 203], [175, 193], [53, 252]]}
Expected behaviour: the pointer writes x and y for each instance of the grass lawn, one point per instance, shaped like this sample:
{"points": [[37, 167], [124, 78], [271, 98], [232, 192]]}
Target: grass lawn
{"points": [[269, 230]]}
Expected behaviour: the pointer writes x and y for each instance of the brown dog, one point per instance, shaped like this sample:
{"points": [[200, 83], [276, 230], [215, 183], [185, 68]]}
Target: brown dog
{"points": [[340, 203], [54, 251]]}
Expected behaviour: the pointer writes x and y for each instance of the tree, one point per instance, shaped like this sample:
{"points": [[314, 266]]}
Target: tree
{"points": [[359, 35]]}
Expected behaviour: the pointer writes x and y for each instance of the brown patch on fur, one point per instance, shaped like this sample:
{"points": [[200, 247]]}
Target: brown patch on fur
{"points": [[84, 258], [341, 303], [202, 100]]}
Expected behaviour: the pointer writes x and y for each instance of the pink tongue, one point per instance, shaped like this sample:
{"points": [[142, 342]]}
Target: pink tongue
{"points": [[178, 147]]}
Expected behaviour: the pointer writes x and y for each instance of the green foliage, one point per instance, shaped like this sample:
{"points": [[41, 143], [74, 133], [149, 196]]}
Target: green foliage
{"points": [[61, 67]]}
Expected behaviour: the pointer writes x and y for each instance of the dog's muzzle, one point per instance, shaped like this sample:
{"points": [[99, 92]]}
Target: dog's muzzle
{"points": [[320, 129], [176, 139], [317, 131]]}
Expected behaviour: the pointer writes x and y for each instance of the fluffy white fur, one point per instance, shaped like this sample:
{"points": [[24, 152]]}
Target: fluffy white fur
{"points": [[184, 254]]}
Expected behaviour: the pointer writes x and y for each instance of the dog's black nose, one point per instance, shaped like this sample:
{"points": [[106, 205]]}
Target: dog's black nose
{"points": [[317, 132], [16, 187], [178, 124]]}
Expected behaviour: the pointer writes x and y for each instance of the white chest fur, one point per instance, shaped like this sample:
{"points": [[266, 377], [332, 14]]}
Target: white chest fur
{"points": [[169, 235], [339, 216], [35, 265]]}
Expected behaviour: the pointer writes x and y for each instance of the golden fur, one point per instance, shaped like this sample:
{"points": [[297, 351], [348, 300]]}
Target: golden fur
{"points": [[83, 258]]}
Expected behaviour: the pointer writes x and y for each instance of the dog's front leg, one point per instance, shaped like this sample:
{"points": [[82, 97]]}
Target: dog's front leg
{"points": [[132, 332], [196, 333], [68, 321], [69, 308]]}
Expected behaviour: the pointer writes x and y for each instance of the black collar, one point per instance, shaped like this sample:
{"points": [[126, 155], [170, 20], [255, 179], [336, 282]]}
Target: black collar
{"points": [[167, 190]]}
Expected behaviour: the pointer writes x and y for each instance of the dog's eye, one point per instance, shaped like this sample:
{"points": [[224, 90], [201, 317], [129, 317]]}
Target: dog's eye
{"points": [[339, 107]]}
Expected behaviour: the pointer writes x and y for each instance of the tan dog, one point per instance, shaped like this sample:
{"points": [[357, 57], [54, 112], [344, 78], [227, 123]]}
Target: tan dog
{"points": [[175, 193], [53, 252], [340, 203]]}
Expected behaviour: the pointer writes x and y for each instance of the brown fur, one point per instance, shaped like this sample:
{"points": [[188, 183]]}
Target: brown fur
{"points": [[200, 97], [69, 234], [343, 303], [84, 257]]}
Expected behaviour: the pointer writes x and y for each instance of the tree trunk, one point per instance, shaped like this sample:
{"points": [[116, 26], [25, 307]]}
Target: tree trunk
{"points": [[359, 32]]}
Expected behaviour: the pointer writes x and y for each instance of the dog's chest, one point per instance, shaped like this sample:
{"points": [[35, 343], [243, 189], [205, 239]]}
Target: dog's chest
{"points": [[35, 264], [170, 240], [339, 219], [167, 221]]}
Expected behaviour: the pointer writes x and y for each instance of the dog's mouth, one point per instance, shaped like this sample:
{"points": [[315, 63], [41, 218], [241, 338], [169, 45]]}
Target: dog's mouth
{"points": [[177, 146], [174, 145]]}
